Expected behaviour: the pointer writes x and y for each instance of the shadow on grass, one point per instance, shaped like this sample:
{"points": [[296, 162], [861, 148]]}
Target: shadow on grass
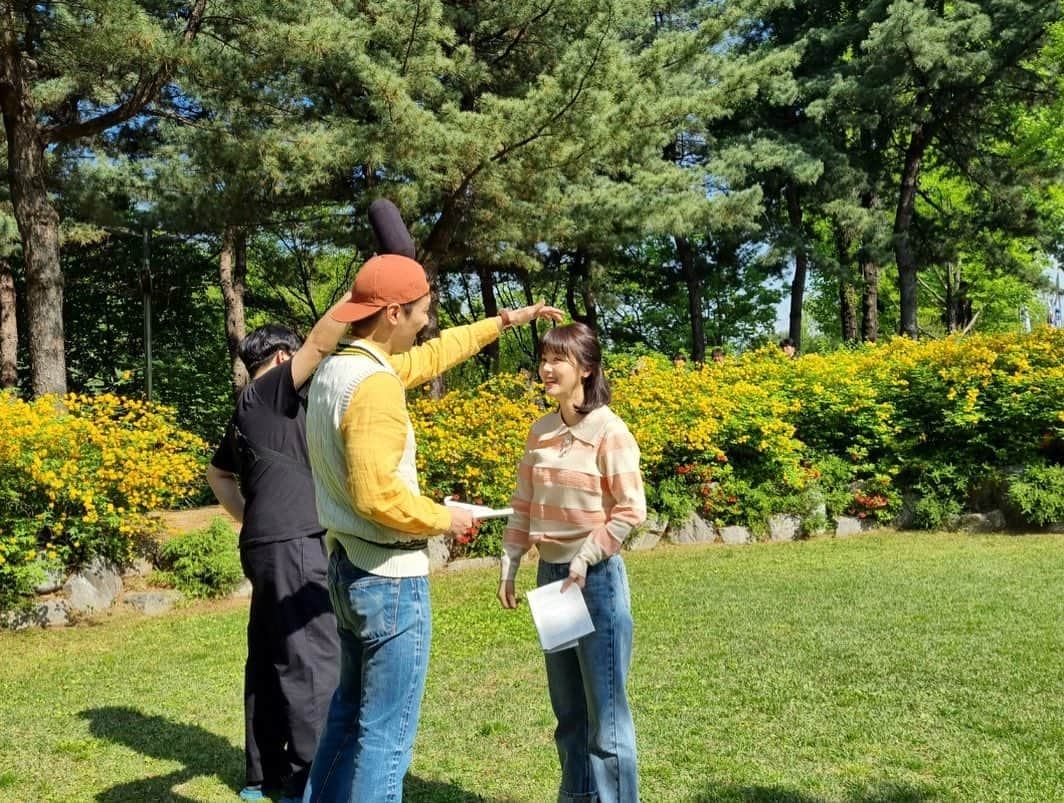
{"points": [[888, 792], [419, 790], [200, 752]]}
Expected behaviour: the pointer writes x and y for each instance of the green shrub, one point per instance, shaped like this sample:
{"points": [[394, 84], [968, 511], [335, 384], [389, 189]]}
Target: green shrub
{"points": [[673, 498], [933, 511], [1036, 495], [943, 490], [17, 584], [201, 563]]}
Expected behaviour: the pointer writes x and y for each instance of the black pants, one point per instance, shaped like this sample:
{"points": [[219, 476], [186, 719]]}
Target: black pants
{"points": [[293, 662]]}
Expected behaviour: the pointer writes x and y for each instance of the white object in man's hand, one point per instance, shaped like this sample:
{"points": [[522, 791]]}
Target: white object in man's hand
{"points": [[461, 521]]}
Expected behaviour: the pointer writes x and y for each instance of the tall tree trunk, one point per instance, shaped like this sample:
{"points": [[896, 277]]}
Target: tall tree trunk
{"points": [[8, 328], [847, 291], [526, 287], [579, 280], [869, 299], [848, 310], [491, 309], [693, 282], [801, 264], [949, 315], [869, 269], [38, 221], [431, 255], [232, 271], [904, 254]]}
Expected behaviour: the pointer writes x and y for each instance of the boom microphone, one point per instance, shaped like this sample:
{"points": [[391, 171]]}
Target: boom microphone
{"points": [[391, 232]]}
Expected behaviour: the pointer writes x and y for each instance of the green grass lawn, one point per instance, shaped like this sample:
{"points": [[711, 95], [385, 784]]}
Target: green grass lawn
{"points": [[881, 668]]}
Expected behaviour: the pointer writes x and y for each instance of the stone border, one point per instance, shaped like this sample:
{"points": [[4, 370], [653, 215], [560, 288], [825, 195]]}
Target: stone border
{"points": [[99, 585], [785, 527]]}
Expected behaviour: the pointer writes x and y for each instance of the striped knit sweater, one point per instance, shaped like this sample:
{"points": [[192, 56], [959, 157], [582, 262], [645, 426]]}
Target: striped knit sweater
{"points": [[579, 492]]}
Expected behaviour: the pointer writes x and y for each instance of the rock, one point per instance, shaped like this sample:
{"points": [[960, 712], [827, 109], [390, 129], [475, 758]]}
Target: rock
{"points": [[94, 587], [991, 522], [49, 613], [851, 525], [692, 530], [52, 582], [53, 613], [439, 553], [646, 535], [465, 564], [736, 535], [997, 519], [243, 590], [151, 603], [140, 567], [1056, 529], [784, 527], [907, 515]]}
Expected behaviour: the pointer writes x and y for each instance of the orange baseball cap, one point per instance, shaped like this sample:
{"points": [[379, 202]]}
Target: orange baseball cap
{"points": [[383, 280]]}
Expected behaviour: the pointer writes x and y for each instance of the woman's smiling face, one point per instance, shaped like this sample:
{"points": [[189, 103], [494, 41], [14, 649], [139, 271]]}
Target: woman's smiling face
{"points": [[563, 379]]}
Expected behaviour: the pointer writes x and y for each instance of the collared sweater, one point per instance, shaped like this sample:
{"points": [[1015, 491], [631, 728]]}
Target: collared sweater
{"points": [[362, 449], [579, 492]]}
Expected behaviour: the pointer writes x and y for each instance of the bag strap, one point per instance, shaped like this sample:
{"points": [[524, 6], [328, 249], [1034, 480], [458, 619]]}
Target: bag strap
{"points": [[354, 347]]}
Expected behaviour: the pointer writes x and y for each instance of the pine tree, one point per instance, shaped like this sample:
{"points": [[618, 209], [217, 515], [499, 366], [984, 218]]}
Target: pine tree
{"points": [[69, 73]]}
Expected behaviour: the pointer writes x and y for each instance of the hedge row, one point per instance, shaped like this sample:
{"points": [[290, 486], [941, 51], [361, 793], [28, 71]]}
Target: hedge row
{"points": [[958, 424]]}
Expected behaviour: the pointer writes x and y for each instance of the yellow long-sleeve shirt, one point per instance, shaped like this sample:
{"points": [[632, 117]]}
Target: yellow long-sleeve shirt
{"points": [[374, 430]]}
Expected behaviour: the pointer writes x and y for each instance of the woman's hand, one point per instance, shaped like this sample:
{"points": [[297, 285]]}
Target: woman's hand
{"points": [[573, 579], [506, 596]]}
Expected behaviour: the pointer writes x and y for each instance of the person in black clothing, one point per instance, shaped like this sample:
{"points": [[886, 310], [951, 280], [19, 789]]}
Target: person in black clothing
{"points": [[261, 476]]}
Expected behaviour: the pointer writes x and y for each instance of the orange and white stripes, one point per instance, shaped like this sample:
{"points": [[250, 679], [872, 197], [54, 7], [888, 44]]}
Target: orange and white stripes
{"points": [[579, 492]]}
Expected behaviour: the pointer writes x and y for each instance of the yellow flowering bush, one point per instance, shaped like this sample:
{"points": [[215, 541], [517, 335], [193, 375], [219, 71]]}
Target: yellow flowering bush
{"points": [[77, 477], [841, 433], [469, 445]]}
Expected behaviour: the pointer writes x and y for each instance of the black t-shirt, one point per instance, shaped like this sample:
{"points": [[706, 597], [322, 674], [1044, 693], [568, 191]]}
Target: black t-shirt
{"points": [[265, 445]]}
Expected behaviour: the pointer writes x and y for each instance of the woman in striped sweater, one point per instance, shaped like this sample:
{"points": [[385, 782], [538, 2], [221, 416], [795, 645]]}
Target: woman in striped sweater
{"points": [[579, 493]]}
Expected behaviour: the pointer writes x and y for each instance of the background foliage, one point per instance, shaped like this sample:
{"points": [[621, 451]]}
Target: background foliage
{"points": [[849, 432]]}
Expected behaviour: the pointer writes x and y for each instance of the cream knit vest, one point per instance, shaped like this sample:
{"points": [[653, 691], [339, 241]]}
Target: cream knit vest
{"points": [[367, 544]]}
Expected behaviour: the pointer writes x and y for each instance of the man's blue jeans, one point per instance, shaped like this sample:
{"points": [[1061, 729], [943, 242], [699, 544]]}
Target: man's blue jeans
{"points": [[385, 626], [595, 734]]}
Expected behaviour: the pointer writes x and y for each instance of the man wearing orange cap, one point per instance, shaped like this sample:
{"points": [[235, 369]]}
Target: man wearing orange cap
{"points": [[362, 450]]}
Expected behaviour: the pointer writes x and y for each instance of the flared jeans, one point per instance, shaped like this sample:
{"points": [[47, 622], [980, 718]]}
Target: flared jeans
{"points": [[595, 735]]}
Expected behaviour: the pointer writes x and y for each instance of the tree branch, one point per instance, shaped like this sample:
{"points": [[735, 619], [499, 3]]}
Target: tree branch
{"points": [[521, 33], [143, 93], [971, 323], [505, 152]]}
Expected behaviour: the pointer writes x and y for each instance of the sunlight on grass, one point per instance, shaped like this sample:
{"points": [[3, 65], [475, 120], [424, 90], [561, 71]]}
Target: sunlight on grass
{"points": [[887, 667]]}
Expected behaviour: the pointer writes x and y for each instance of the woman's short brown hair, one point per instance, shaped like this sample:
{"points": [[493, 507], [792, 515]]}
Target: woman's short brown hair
{"points": [[578, 344]]}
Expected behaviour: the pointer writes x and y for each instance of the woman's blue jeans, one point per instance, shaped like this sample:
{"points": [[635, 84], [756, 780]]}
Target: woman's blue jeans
{"points": [[595, 734], [385, 626]]}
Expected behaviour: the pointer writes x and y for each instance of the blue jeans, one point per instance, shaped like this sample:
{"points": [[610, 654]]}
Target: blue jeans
{"points": [[595, 734], [385, 626]]}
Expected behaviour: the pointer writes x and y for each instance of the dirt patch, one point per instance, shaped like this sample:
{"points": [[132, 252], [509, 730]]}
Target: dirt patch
{"points": [[176, 522]]}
